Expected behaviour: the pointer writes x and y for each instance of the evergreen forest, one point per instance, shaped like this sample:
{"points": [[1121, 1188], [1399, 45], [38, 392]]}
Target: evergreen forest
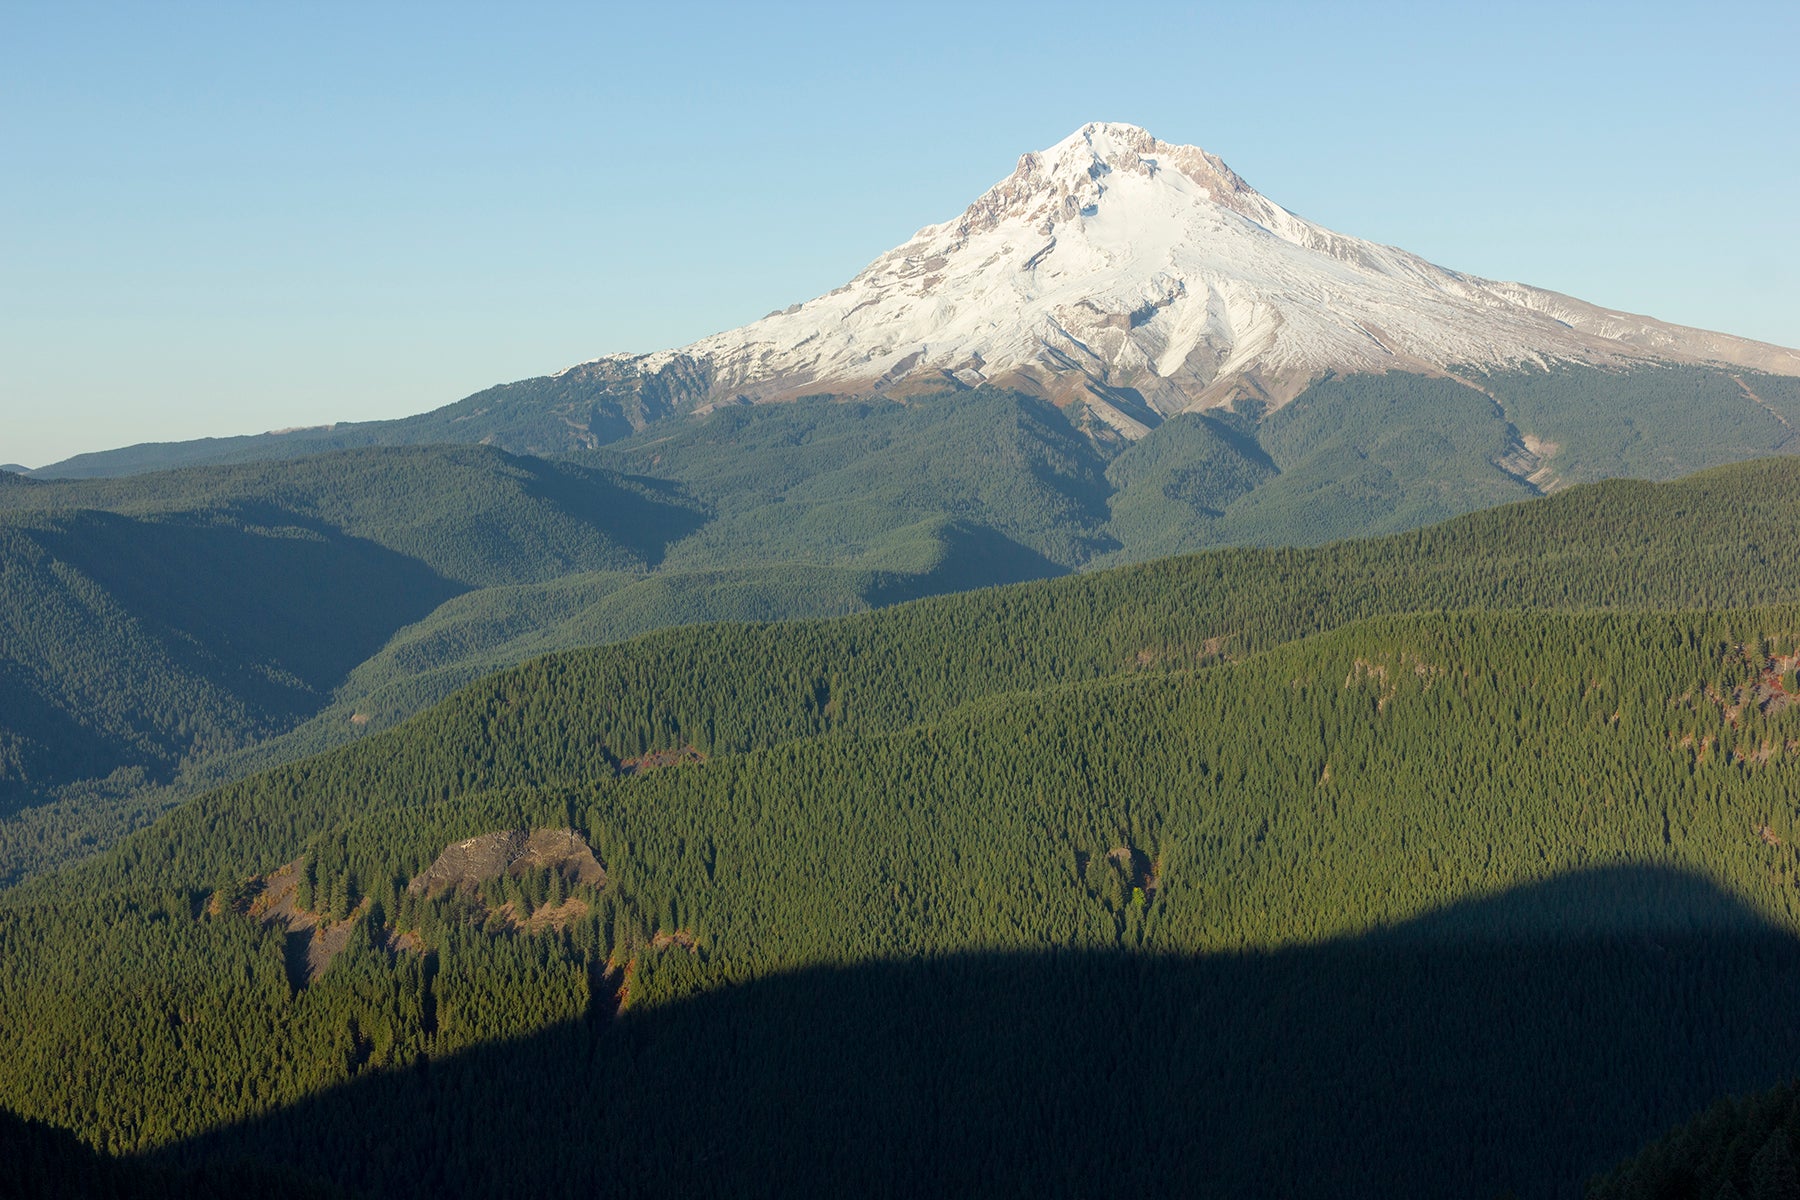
{"points": [[176, 617], [1456, 862]]}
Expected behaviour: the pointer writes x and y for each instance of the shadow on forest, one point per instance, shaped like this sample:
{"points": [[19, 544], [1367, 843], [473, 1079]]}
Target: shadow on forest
{"points": [[1520, 1042], [971, 555], [277, 613], [646, 518]]}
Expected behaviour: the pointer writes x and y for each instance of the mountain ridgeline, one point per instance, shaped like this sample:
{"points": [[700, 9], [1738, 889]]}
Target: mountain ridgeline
{"points": [[1302, 871], [1353, 455], [147, 623], [159, 630]]}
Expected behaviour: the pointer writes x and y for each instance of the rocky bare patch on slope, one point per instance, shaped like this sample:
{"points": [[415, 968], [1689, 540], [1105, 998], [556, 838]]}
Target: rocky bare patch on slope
{"points": [[467, 864], [314, 938], [657, 759]]}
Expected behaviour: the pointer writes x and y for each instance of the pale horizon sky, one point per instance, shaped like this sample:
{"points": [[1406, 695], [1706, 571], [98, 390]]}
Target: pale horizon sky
{"points": [[220, 219]]}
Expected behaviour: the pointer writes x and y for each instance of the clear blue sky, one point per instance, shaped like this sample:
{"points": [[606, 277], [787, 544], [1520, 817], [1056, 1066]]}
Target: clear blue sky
{"points": [[227, 218]]}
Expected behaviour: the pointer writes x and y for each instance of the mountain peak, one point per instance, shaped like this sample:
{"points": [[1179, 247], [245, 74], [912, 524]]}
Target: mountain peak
{"points": [[1110, 143], [1072, 178], [1136, 278]]}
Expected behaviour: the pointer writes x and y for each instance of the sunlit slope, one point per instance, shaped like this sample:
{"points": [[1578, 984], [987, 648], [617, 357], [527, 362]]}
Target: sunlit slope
{"points": [[1718, 539], [176, 630], [484, 631], [193, 659]]}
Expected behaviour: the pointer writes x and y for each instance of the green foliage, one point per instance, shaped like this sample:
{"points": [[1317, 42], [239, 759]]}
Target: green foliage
{"points": [[1649, 422], [170, 632], [818, 481], [1738, 1147], [470, 514], [1173, 486], [1372, 787], [1404, 835], [173, 632], [152, 623], [1373, 454], [1211, 756], [1718, 539]]}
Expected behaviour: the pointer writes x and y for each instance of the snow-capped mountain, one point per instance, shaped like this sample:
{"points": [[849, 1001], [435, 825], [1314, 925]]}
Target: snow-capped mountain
{"points": [[1143, 279]]}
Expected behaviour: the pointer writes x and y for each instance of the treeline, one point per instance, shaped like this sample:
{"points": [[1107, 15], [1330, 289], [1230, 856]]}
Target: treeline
{"points": [[161, 631], [327, 576], [1209, 761]]}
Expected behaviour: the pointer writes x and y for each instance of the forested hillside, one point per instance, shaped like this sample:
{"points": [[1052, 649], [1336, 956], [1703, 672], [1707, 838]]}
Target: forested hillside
{"points": [[169, 632], [1546, 854], [472, 514], [1741, 1148], [147, 623], [1720, 538], [1421, 829], [1375, 431], [1528, 851], [156, 632], [1352, 456]]}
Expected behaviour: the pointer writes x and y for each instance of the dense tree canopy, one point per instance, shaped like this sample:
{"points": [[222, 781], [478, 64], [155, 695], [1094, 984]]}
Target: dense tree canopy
{"points": [[1448, 863]]}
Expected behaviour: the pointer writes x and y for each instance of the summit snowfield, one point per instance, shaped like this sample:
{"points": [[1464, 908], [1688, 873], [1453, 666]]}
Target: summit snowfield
{"points": [[1143, 279]]}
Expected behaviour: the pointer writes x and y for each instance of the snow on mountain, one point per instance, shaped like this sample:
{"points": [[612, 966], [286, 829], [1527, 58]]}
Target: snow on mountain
{"points": [[1144, 279]]}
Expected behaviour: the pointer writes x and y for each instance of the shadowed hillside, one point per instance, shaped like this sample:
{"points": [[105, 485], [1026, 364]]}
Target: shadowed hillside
{"points": [[1408, 781], [1740, 1148], [44, 1163], [152, 623], [1418, 1062]]}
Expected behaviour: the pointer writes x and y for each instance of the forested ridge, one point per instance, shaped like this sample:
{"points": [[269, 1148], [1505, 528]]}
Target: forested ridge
{"points": [[353, 576], [1509, 798], [1718, 539], [162, 633], [1420, 831]]}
